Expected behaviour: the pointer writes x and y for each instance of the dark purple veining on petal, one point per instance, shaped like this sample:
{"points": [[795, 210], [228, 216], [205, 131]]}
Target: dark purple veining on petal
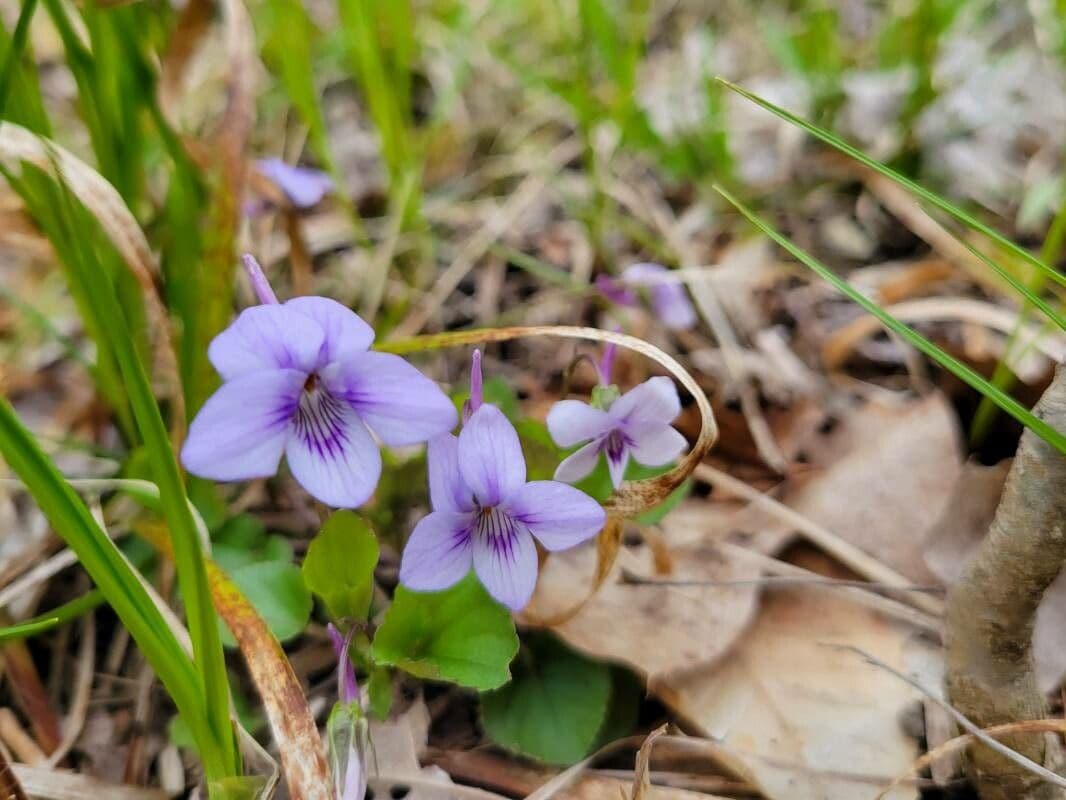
{"points": [[319, 421], [615, 445], [498, 528]]}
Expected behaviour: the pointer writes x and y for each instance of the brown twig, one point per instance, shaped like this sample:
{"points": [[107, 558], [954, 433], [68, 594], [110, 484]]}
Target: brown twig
{"points": [[991, 610]]}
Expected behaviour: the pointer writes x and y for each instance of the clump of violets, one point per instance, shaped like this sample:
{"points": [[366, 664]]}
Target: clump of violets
{"points": [[346, 729], [620, 426], [303, 187], [299, 380], [668, 297], [486, 515]]}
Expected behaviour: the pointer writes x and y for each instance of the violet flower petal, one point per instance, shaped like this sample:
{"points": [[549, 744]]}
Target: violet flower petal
{"points": [[240, 432], [655, 400], [506, 562], [579, 464], [439, 552], [559, 516], [303, 186], [617, 461], [572, 421], [616, 291], [669, 297], [396, 401], [656, 445], [266, 338], [331, 453], [490, 456], [447, 492], [345, 331]]}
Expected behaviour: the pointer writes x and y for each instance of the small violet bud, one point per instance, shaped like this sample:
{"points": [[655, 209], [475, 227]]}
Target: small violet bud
{"points": [[347, 687], [346, 729], [299, 379], [635, 424], [258, 279], [477, 390], [487, 516]]}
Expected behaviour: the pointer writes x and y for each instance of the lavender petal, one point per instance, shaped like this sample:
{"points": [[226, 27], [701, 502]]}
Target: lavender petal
{"points": [[347, 686], [331, 453], [240, 432], [346, 334], [572, 421], [656, 445], [258, 279], [579, 464], [303, 186], [668, 296], [266, 337], [447, 492], [396, 401], [439, 552], [558, 516], [655, 400], [506, 564], [617, 461], [490, 456]]}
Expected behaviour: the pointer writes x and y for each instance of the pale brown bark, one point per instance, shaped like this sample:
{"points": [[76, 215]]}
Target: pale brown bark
{"points": [[990, 611]]}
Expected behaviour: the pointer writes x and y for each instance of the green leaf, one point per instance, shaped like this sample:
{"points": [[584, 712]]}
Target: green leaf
{"points": [[953, 365], [553, 708], [925, 194], [339, 567], [627, 693], [460, 635], [278, 593]]}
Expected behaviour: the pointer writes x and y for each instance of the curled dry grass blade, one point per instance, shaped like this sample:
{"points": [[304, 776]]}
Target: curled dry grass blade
{"points": [[17, 144], [632, 498]]}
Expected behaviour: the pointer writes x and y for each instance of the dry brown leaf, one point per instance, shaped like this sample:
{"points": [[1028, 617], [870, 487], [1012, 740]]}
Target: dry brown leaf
{"points": [[965, 519], [395, 753], [888, 473], [810, 721], [655, 629]]}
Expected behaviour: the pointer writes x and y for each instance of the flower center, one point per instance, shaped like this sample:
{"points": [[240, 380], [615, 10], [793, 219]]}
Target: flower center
{"points": [[616, 444], [319, 420]]}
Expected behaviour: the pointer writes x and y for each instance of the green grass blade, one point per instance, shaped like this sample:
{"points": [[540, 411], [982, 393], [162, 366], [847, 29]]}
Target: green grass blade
{"points": [[105, 564], [57, 616], [1056, 438], [14, 53], [222, 760], [931, 197], [27, 629]]}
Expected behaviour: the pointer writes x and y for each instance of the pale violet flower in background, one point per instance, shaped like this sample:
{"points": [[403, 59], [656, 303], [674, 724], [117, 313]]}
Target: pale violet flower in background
{"points": [[299, 379], [486, 516], [635, 425], [303, 187], [346, 729], [668, 297]]}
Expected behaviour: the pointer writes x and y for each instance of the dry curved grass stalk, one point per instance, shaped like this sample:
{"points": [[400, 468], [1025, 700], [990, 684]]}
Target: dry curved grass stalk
{"points": [[959, 742]]}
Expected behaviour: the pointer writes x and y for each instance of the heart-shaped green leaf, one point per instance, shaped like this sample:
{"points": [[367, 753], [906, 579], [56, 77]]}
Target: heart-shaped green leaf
{"points": [[460, 635], [339, 567]]}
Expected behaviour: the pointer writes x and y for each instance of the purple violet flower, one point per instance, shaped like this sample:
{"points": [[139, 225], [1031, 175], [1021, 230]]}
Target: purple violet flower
{"points": [[299, 379], [486, 515], [669, 299], [304, 187], [636, 425], [346, 730]]}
